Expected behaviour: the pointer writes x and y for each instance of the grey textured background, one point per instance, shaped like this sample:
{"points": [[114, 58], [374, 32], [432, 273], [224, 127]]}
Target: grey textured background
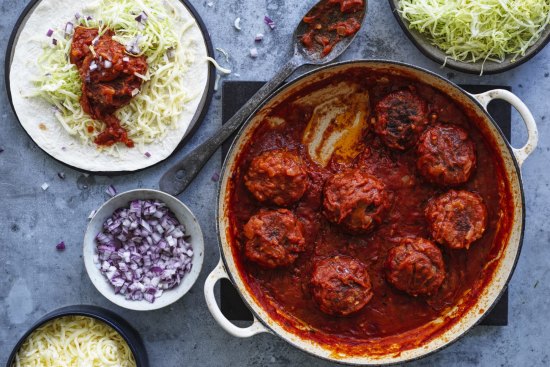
{"points": [[36, 279]]}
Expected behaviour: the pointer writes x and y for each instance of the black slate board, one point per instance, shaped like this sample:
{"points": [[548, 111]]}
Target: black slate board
{"points": [[236, 93]]}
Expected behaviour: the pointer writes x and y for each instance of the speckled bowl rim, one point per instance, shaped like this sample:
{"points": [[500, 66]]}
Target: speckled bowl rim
{"points": [[490, 67], [128, 333]]}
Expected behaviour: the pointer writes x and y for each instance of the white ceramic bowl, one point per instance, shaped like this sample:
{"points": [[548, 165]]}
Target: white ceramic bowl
{"points": [[185, 217]]}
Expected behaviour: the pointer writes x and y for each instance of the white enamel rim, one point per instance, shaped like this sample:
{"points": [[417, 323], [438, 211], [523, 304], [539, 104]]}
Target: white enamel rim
{"points": [[185, 217], [513, 158]]}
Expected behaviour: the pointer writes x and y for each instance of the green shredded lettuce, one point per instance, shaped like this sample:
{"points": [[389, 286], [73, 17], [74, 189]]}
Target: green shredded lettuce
{"points": [[478, 30], [163, 96]]}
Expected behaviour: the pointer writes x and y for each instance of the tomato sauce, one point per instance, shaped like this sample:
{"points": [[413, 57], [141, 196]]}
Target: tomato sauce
{"points": [[392, 320], [329, 22], [109, 80]]}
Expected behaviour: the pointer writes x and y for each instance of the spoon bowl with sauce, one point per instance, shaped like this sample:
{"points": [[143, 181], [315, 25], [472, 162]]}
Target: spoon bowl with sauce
{"points": [[326, 31]]}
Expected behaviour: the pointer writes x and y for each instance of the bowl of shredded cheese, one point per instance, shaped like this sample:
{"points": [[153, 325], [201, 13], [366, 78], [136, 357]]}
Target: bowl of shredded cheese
{"points": [[478, 36], [80, 336]]}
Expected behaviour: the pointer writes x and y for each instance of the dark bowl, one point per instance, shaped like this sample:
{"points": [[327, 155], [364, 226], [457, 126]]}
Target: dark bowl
{"points": [[436, 54], [128, 333]]}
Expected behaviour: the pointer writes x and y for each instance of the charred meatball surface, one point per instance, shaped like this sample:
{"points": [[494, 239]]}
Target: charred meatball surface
{"points": [[400, 119], [446, 156], [355, 200], [457, 218], [416, 267], [341, 285], [278, 177], [274, 238]]}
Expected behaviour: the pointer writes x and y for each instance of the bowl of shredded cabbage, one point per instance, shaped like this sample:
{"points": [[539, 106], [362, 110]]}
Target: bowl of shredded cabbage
{"points": [[476, 36], [80, 335]]}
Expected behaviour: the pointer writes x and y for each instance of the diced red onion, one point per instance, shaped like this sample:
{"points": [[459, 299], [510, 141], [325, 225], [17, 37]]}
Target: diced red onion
{"points": [[93, 66], [143, 250], [54, 41], [89, 17], [147, 154], [60, 246], [77, 16], [215, 177], [95, 41], [135, 92], [126, 59], [49, 33], [269, 22], [259, 37], [69, 28], [111, 191], [142, 17], [108, 64], [254, 52]]}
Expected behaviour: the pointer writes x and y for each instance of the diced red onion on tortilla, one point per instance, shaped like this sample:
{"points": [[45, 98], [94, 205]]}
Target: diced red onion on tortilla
{"points": [[60, 246], [111, 191], [269, 22], [254, 52], [49, 33], [54, 42], [147, 154], [259, 37], [143, 250], [142, 17], [69, 28]]}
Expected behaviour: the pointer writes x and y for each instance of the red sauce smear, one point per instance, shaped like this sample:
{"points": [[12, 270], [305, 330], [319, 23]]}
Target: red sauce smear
{"points": [[329, 22], [108, 80], [392, 321]]}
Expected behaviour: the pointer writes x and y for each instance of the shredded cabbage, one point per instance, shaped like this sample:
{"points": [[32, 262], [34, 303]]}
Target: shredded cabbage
{"points": [[163, 96], [475, 30]]}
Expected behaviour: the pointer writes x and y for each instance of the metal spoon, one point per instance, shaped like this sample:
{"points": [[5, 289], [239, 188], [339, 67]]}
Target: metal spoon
{"points": [[176, 179]]}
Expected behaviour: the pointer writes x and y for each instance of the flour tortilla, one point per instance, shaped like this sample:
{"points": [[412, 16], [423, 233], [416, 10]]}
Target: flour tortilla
{"points": [[37, 116]]}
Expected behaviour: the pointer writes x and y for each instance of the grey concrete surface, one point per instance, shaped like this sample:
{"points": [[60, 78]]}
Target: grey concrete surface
{"points": [[36, 279]]}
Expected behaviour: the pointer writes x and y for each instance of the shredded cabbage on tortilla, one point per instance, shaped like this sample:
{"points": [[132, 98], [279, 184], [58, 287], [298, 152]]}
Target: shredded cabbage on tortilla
{"points": [[478, 30], [169, 55]]}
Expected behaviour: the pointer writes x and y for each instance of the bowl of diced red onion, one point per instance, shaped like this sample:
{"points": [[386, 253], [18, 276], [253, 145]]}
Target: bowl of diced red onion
{"points": [[143, 249]]}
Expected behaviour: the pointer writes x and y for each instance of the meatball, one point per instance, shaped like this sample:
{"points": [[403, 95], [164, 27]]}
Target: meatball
{"points": [[446, 155], [457, 218], [274, 238], [355, 200], [278, 177], [416, 267], [341, 285], [400, 118]]}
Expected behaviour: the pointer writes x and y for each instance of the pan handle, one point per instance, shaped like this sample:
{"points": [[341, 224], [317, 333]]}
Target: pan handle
{"points": [[522, 153], [217, 274]]}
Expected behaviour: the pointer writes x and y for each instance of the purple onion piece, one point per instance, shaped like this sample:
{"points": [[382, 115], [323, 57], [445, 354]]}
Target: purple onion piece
{"points": [[69, 28], [111, 191], [147, 154], [215, 177], [49, 33], [60, 246], [54, 42], [269, 22]]}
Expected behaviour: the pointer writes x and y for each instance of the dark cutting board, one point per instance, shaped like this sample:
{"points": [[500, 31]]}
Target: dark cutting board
{"points": [[236, 93]]}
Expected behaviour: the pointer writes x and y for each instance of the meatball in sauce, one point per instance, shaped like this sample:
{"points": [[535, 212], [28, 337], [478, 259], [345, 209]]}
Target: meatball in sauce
{"points": [[416, 267], [278, 177], [341, 285], [400, 118], [446, 156], [355, 200], [274, 238], [457, 218]]}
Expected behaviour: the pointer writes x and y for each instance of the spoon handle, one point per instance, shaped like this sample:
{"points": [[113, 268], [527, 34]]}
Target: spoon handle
{"points": [[176, 179]]}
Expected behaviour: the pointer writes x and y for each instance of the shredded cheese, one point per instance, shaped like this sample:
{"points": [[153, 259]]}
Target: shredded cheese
{"points": [[74, 341], [478, 30], [153, 111]]}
